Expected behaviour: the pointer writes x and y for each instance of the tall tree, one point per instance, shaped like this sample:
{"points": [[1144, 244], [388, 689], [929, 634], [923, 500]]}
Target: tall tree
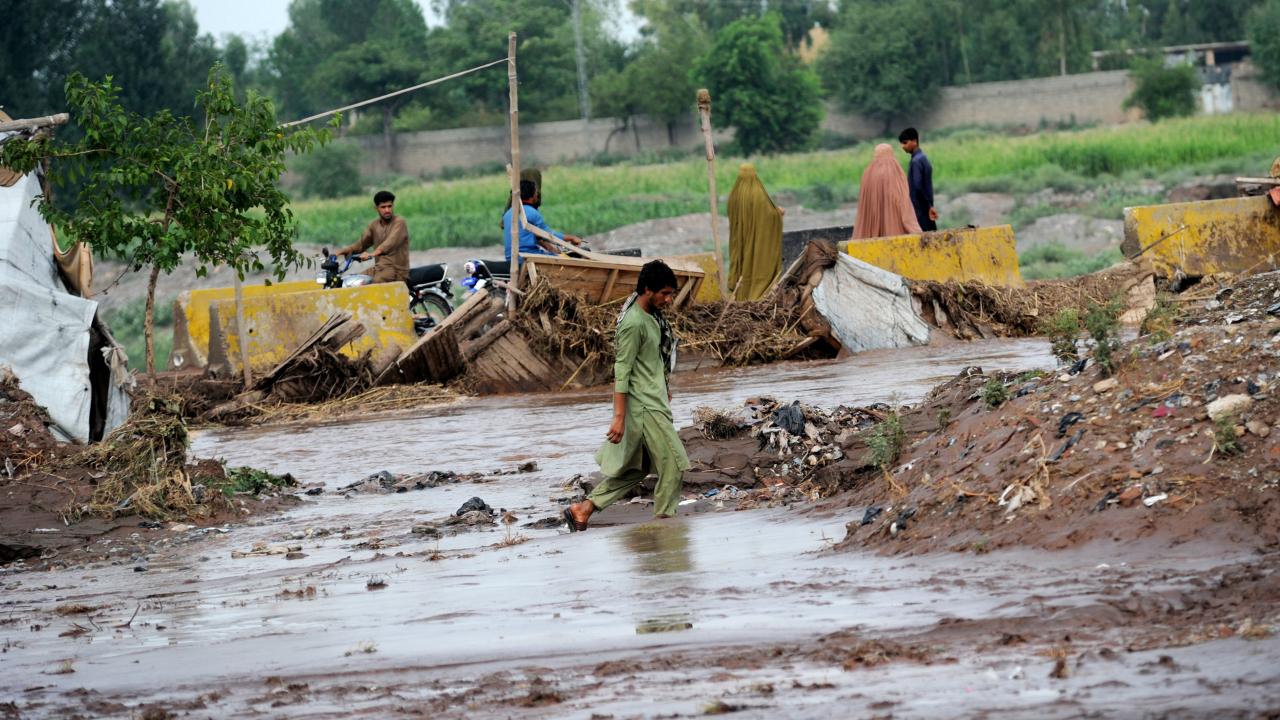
{"points": [[768, 98], [876, 65]]}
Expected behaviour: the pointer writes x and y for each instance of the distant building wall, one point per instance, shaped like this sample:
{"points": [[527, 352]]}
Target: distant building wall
{"points": [[1088, 98]]}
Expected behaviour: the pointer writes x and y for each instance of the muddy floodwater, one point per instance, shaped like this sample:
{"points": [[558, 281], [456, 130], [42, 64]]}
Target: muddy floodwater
{"points": [[715, 611]]}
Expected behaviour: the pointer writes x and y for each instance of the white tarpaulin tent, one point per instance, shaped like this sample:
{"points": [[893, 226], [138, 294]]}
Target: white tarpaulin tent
{"points": [[50, 338], [868, 307]]}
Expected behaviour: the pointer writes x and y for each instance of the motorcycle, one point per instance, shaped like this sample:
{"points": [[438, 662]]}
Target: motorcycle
{"points": [[485, 274], [429, 288]]}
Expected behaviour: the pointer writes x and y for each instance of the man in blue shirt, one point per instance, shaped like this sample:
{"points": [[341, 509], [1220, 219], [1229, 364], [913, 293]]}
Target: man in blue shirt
{"points": [[531, 244], [919, 180]]}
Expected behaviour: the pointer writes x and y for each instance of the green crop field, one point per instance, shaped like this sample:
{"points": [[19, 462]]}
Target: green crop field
{"points": [[585, 199]]}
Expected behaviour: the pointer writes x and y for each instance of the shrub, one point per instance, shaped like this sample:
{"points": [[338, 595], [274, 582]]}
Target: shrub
{"points": [[886, 442], [1163, 92], [1103, 322], [1062, 329], [994, 393], [331, 171]]}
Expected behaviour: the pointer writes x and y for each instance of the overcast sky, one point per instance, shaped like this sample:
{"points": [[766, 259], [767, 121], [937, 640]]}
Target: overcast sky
{"points": [[269, 17]]}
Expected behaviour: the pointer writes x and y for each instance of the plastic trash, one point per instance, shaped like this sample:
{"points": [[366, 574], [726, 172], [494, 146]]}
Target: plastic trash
{"points": [[1067, 421], [871, 514], [790, 418]]}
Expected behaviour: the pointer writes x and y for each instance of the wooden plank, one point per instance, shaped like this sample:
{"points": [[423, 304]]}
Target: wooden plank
{"points": [[472, 349], [684, 293], [608, 285]]}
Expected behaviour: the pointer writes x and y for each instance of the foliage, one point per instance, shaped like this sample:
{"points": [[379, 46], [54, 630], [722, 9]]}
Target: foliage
{"points": [[994, 393], [1225, 438], [875, 64], [1158, 325], [253, 481], [767, 97], [655, 78], [475, 32], [331, 171], [1055, 260], [1103, 324], [1163, 92], [1264, 40], [128, 326], [158, 189], [1062, 328], [886, 441]]}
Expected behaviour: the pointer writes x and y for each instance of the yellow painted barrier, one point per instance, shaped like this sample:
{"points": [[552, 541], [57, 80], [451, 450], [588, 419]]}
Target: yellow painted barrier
{"points": [[986, 254], [276, 324], [1194, 239], [709, 291], [191, 318]]}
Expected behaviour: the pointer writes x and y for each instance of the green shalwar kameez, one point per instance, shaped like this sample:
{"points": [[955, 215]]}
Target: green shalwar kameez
{"points": [[649, 440]]}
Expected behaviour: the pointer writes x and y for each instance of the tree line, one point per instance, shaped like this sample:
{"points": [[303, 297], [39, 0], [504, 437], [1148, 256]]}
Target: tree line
{"points": [[883, 58]]}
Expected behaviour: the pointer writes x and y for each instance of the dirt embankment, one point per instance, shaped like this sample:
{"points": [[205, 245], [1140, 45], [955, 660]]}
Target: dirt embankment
{"points": [[66, 504], [1058, 459]]}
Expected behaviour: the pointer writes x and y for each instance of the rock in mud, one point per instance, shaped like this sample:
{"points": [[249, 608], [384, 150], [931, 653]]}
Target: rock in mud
{"points": [[1257, 427], [473, 505]]}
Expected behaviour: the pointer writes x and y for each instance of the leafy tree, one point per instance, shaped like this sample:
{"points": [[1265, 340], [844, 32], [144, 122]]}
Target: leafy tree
{"points": [[1161, 91], [1264, 40], [875, 64], [475, 32], [157, 187], [655, 80], [768, 98], [795, 17]]}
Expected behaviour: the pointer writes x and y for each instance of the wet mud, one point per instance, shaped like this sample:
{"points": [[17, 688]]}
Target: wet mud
{"points": [[337, 607]]}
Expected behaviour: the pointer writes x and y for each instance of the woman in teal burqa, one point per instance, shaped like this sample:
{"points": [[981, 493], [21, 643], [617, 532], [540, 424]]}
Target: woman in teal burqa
{"points": [[642, 437]]}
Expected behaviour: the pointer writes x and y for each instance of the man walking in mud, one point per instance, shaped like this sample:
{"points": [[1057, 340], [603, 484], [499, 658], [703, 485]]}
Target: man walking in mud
{"points": [[388, 235], [642, 437]]}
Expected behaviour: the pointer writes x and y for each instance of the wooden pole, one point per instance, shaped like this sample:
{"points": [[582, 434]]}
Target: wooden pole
{"points": [[242, 337], [517, 208], [704, 113], [29, 124]]}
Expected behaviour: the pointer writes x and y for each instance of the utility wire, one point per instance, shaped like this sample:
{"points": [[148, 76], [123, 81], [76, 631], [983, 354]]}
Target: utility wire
{"points": [[370, 101]]}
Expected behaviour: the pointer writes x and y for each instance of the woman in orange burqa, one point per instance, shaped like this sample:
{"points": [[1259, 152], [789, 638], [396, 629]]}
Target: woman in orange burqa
{"points": [[884, 202]]}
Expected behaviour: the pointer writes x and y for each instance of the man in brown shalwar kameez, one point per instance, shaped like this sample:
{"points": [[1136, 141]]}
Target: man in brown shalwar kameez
{"points": [[388, 235]]}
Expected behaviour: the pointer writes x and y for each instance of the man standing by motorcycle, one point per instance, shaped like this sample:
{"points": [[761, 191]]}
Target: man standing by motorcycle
{"points": [[388, 235]]}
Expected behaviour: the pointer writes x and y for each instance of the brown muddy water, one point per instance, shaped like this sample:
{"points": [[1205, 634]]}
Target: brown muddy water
{"points": [[711, 612]]}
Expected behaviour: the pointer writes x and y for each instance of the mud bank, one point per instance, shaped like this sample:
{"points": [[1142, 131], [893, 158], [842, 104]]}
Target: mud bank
{"points": [[1181, 444]]}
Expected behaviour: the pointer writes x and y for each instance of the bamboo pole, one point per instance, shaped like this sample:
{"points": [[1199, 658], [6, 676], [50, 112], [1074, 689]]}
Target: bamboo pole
{"points": [[517, 207], [704, 113], [243, 338]]}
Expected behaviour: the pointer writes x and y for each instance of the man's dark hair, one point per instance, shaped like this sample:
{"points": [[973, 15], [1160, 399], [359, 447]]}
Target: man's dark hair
{"points": [[908, 134], [528, 189], [655, 276], [383, 196]]}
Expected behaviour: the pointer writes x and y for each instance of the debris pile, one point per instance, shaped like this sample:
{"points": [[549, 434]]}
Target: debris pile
{"points": [[562, 325], [774, 453], [1181, 440], [25, 439], [315, 372], [974, 310]]}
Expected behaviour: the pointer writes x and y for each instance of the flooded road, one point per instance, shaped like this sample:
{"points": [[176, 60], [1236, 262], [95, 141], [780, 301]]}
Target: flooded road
{"points": [[632, 618]]}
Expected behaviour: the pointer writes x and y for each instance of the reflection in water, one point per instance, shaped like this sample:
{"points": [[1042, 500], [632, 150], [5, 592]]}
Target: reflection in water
{"points": [[660, 548]]}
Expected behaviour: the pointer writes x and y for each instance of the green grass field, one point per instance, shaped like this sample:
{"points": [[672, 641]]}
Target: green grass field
{"points": [[585, 199]]}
